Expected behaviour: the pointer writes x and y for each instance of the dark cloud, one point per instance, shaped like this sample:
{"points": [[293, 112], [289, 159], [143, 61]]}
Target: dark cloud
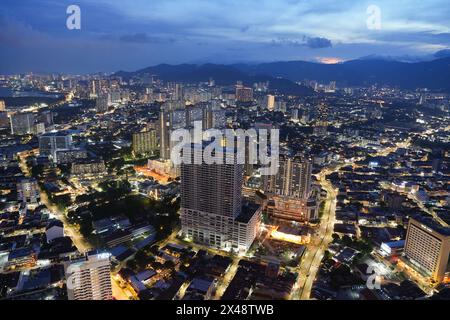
{"points": [[144, 38], [310, 42], [17, 34], [318, 43], [286, 42]]}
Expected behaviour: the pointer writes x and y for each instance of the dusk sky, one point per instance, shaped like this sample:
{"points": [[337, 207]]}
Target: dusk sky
{"points": [[129, 35]]}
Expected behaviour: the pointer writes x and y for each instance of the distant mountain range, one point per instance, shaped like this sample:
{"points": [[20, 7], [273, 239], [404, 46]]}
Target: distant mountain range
{"points": [[433, 74], [222, 75]]}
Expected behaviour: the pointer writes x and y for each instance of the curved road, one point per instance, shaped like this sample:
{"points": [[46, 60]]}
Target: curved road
{"points": [[311, 262]]}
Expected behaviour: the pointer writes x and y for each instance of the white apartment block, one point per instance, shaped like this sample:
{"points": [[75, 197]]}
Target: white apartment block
{"points": [[89, 278]]}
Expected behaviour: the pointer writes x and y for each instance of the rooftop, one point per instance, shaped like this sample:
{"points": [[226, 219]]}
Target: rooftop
{"points": [[432, 224], [248, 211]]}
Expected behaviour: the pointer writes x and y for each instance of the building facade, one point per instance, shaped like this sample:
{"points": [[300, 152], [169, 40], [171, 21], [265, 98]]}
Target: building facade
{"points": [[50, 143], [23, 123], [244, 94], [103, 102], [212, 208], [428, 248], [293, 179], [290, 191], [145, 142], [88, 167], [89, 278], [65, 156]]}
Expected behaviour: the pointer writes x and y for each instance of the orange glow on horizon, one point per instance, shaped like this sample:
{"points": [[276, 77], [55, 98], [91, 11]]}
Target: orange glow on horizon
{"points": [[329, 60]]}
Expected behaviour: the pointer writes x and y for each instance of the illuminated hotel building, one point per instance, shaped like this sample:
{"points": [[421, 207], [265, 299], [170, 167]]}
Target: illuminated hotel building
{"points": [[212, 209], [270, 102], [290, 190], [428, 247]]}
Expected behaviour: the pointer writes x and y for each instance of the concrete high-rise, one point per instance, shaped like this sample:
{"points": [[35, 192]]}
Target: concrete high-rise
{"points": [[290, 190], [94, 88], [322, 114], [194, 114], [212, 209], [89, 277], [293, 179], [145, 142], [177, 92], [164, 134], [23, 123], [270, 102], [51, 142], [427, 247], [102, 103], [172, 116], [244, 94], [214, 118]]}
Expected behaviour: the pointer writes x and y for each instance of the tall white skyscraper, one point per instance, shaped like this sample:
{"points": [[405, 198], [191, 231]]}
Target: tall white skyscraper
{"points": [[212, 209], [89, 278]]}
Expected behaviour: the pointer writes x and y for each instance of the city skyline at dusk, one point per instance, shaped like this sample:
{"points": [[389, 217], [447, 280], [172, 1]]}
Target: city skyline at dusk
{"points": [[225, 157]]}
